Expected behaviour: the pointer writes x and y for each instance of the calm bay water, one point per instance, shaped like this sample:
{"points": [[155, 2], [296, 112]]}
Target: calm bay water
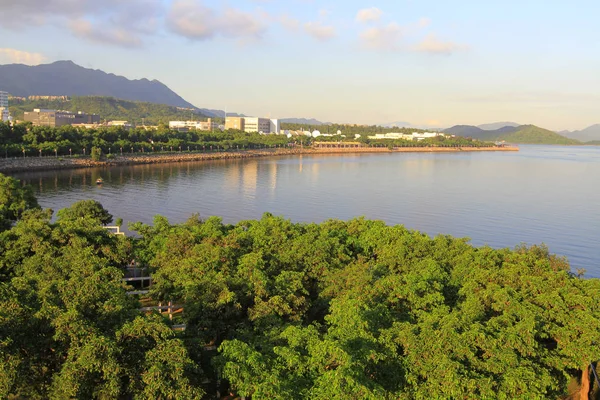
{"points": [[542, 194]]}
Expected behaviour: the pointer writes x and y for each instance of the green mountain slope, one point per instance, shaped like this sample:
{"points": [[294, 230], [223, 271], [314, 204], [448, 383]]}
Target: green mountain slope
{"points": [[110, 109], [531, 134], [525, 134]]}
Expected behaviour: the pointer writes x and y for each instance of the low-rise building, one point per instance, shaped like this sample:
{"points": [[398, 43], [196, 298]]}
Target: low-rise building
{"points": [[236, 123], [4, 114], [184, 126], [43, 117], [406, 136], [253, 125], [257, 124], [122, 124]]}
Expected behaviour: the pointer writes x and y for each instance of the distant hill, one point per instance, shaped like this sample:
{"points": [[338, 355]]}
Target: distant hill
{"points": [[303, 121], [591, 133], [497, 125], [65, 78], [111, 109], [398, 124], [525, 134]]}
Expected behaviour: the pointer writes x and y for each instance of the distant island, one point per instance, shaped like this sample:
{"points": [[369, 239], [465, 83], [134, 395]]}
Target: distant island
{"points": [[524, 134]]}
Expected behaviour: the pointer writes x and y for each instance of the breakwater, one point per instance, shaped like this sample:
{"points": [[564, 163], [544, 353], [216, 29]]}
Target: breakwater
{"points": [[8, 165]]}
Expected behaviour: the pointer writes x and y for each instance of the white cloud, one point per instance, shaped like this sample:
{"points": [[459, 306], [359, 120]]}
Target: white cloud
{"points": [[387, 37], [190, 18], [431, 44], [21, 57], [126, 22], [319, 31], [394, 37], [105, 35], [369, 15], [289, 23]]}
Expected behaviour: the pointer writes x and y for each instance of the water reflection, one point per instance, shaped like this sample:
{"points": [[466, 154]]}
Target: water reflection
{"points": [[541, 194]]}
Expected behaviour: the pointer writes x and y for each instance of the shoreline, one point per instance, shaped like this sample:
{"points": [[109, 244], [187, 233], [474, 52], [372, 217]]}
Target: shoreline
{"points": [[30, 164]]}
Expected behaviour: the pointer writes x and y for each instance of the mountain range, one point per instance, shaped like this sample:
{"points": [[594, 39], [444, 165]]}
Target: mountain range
{"points": [[589, 134], [303, 121], [65, 78], [497, 125]]}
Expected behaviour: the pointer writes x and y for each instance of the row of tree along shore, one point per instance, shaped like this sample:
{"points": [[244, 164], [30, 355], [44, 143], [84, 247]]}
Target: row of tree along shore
{"points": [[271, 309], [97, 159], [25, 140]]}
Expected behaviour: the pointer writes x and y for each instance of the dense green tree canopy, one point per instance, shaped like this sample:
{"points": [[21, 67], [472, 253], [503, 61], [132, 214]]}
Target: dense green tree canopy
{"points": [[14, 200], [279, 310]]}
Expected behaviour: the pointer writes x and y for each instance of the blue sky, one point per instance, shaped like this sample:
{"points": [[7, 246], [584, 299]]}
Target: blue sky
{"points": [[435, 63]]}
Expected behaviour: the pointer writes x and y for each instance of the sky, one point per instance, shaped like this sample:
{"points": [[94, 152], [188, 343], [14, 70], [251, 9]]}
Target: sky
{"points": [[430, 63]]}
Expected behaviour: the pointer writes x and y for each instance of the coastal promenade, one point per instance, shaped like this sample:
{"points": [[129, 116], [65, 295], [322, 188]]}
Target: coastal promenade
{"points": [[8, 165]]}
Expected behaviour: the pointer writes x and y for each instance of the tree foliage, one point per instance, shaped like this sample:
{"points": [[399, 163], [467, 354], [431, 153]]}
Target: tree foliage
{"points": [[336, 310]]}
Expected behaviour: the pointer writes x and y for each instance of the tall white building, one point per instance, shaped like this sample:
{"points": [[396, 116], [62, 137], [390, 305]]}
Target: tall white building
{"points": [[256, 124], [4, 114], [275, 128]]}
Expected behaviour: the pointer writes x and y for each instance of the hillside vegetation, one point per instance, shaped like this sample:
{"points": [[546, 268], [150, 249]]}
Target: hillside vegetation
{"points": [[531, 134], [280, 310], [110, 109], [524, 134]]}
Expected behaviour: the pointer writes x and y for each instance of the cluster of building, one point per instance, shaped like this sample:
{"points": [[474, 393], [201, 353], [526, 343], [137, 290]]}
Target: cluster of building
{"points": [[253, 124], [406, 136], [4, 114], [54, 118], [185, 126]]}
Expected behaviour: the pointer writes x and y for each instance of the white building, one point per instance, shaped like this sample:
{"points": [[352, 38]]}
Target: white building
{"points": [[4, 99], [406, 136], [197, 125], [256, 124], [4, 114], [275, 129], [122, 124]]}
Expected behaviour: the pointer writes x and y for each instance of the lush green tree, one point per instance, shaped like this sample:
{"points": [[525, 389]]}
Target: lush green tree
{"points": [[15, 199], [86, 209]]}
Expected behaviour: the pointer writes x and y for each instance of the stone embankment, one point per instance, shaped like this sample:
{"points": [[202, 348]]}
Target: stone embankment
{"points": [[8, 165]]}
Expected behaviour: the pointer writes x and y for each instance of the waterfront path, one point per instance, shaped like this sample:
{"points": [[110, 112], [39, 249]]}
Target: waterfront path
{"points": [[8, 165]]}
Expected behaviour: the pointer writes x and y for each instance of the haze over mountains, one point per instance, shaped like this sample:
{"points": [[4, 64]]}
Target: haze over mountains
{"points": [[591, 133]]}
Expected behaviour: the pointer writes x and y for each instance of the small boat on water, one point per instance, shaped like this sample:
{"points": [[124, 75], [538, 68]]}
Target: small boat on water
{"points": [[99, 181]]}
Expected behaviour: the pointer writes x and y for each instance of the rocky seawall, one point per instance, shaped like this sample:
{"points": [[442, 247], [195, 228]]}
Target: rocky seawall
{"points": [[8, 165]]}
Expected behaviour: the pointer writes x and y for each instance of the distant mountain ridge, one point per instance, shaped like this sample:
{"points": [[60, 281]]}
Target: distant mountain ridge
{"points": [[524, 134], [589, 134], [303, 121], [497, 125], [65, 78]]}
